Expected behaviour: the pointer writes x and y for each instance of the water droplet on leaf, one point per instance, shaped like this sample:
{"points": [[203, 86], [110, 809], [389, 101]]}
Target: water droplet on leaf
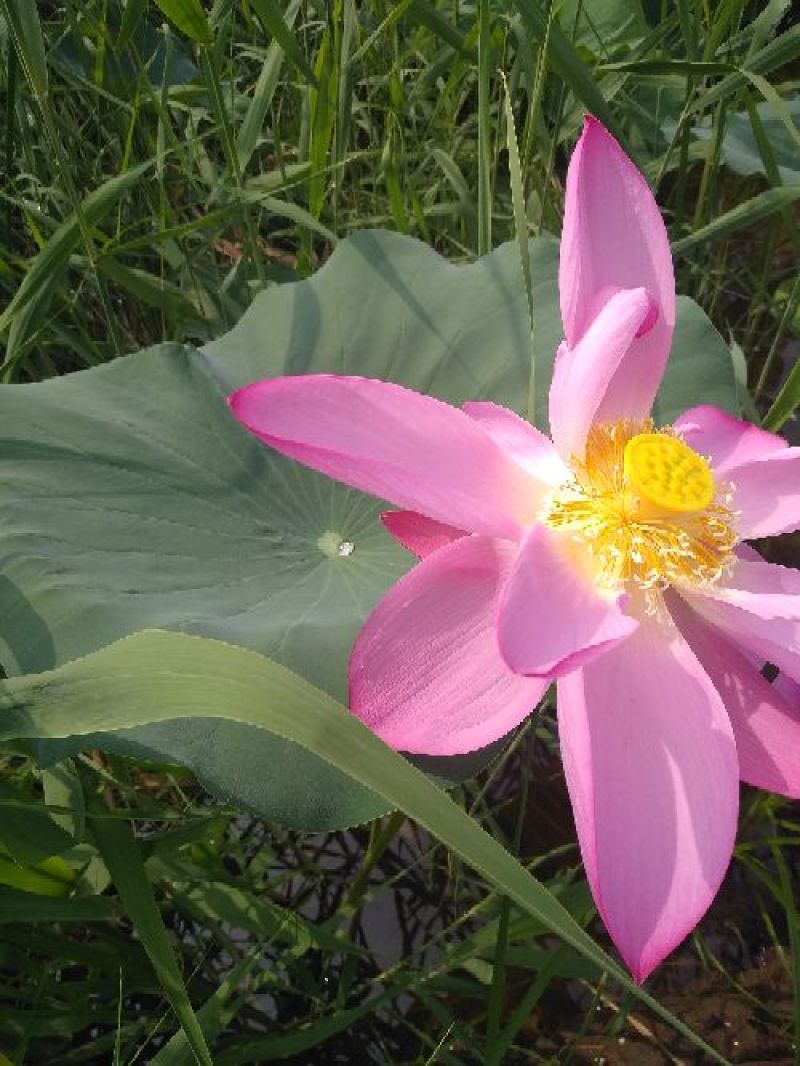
{"points": [[331, 543]]}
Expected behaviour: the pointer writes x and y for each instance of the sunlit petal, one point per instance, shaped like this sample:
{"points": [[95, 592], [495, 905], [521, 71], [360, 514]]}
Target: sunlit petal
{"points": [[412, 450], [426, 673], [652, 772], [552, 618], [614, 238]]}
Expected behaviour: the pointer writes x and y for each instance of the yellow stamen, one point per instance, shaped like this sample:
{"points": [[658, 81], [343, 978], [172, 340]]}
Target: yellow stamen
{"points": [[645, 509]]}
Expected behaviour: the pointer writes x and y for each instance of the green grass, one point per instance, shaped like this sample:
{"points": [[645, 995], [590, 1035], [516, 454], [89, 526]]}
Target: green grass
{"points": [[161, 163]]}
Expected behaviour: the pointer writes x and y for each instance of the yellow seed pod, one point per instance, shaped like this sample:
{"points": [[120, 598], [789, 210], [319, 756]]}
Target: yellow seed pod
{"points": [[667, 473]]}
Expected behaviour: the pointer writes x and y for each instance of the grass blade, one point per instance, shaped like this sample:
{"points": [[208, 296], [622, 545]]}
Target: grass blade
{"points": [[214, 1016], [484, 127], [272, 19], [781, 50], [189, 17], [778, 103], [427, 15], [16, 906], [786, 402], [121, 855], [323, 116], [563, 58], [521, 230], [747, 214], [268, 79], [26, 31], [131, 17], [33, 295]]}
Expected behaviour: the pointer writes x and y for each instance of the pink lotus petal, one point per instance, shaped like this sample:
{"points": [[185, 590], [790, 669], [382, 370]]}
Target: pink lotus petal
{"points": [[552, 619], [652, 772], [789, 691], [582, 375], [767, 493], [419, 534], [614, 238], [531, 448], [766, 726], [426, 673], [757, 607], [724, 440], [413, 450], [747, 552], [767, 589]]}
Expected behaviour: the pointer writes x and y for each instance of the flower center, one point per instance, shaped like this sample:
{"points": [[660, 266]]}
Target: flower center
{"points": [[646, 510], [668, 473]]}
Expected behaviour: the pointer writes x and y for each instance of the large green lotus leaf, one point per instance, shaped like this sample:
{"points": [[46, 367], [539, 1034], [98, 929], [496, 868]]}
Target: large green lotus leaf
{"points": [[129, 494], [387, 306], [700, 368], [130, 498]]}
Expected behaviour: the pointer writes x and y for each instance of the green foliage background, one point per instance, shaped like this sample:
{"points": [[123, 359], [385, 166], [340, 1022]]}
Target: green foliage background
{"points": [[163, 164]]}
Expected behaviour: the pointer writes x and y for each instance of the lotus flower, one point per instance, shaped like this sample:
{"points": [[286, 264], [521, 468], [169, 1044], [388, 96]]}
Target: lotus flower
{"points": [[610, 559]]}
